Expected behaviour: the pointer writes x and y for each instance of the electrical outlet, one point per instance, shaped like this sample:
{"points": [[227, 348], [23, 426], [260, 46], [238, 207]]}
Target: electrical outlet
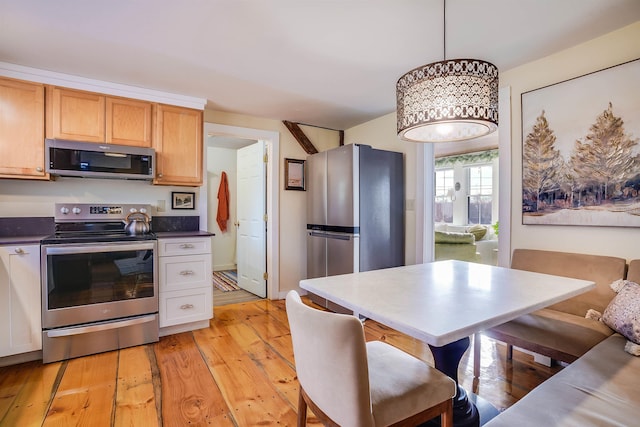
{"points": [[160, 206]]}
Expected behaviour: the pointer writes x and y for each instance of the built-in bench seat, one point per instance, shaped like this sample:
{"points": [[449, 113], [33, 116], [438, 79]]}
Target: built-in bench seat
{"points": [[561, 331], [600, 388]]}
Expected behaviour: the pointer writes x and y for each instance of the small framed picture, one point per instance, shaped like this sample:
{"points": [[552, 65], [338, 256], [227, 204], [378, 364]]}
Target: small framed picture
{"points": [[181, 200], [294, 174]]}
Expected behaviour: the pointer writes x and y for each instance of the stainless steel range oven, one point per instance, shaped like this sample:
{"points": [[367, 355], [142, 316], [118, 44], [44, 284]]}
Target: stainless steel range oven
{"points": [[99, 283]]}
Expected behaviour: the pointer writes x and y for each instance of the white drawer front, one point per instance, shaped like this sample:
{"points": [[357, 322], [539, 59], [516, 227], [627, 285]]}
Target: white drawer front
{"points": [[183, 306], [184, 246], [185, 272]]}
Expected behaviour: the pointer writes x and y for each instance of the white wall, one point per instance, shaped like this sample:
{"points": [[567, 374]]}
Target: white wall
{"points": [[24, 198], [224, 244], [612, 49]]}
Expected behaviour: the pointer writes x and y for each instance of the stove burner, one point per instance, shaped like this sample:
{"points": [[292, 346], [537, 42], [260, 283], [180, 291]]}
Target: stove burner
{"points": [[89, 223]]}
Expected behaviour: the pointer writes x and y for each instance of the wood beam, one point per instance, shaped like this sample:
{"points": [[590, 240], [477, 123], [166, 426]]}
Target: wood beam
{"points": [[299, 135]]}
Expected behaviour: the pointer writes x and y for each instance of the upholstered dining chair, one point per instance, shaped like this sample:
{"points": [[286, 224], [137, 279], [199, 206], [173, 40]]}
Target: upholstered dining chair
{"points": [[348, 382]]}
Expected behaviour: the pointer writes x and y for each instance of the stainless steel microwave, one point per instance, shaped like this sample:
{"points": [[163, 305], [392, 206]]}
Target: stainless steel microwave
{"points": [[97, 160]]}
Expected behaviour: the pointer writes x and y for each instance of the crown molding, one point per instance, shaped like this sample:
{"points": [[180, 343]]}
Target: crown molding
{"points": [[108, 88]]}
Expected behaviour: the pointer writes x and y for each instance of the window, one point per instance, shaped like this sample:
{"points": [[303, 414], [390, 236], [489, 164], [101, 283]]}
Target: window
{"points": [[444, 196], [480, 194]]}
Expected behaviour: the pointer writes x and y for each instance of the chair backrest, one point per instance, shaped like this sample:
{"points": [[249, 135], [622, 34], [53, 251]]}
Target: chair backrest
{"points": [[331, 361]]}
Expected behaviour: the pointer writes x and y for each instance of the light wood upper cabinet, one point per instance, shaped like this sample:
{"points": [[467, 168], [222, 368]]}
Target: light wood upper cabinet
{"points": [[178, 145], [91, 117], [128, 122], [21, 129], [75, 115]]}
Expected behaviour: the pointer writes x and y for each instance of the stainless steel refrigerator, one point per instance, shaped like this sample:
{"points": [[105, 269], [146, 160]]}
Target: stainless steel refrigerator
{"points": [[355, 211]]}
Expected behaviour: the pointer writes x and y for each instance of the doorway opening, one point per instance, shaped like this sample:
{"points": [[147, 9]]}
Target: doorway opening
{"points": [[236, 189], [223, 145], [466, 207]]}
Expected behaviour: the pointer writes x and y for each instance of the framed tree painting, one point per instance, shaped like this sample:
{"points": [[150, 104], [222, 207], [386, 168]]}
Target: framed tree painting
{"points": [[581, 152]]}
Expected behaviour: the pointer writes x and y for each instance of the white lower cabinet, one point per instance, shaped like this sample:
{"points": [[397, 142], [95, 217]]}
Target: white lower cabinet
{"points": [[20, 314], [185, 281]]}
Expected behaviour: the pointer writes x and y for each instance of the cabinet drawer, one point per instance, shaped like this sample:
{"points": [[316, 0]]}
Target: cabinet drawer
{"points": [[185, 272], [180, 307], [181, 246]]}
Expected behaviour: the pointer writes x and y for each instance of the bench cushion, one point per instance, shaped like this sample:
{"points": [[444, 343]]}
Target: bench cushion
{"points": [[601, 269], [600, 388], [558, 335]]}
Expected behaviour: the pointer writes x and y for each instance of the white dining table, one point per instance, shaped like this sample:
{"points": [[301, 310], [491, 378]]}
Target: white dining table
{"points": [[443, 303]]}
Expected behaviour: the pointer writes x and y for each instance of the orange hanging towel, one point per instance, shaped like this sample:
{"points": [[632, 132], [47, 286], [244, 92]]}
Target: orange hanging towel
{"points": [[223, 203]]}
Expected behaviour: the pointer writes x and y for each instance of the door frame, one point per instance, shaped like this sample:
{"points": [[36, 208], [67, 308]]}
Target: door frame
{"points": [[272, 143]]}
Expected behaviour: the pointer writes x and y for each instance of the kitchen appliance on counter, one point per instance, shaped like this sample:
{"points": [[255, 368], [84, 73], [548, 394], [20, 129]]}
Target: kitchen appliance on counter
{"points": [[99, 281], [355, 210]]}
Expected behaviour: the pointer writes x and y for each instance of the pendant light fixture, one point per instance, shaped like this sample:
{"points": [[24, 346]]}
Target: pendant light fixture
{"points": [[450, 100]]}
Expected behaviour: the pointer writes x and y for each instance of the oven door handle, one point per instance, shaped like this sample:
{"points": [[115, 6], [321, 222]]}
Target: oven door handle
{"points": [[97, 248], [101, 327]]}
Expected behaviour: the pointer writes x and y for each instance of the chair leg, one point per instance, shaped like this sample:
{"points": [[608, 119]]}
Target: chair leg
{"points": [[509, 352], [446, 418], [302, 410], [476, 355]]}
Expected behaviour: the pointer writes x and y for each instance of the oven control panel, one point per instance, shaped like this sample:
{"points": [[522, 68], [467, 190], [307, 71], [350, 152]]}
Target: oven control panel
{"points": [[96, 212]]}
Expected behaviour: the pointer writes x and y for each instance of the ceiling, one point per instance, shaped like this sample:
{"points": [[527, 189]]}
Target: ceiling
{"points": [[329, 63]]}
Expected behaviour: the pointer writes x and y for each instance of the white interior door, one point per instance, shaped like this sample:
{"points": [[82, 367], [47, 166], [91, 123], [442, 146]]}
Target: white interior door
{"points": [[252, 230]]}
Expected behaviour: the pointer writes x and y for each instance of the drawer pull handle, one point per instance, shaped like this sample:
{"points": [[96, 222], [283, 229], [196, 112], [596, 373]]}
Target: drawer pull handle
{"points": [[186, 272], [19, 251], [186, 246], [186, 306]]}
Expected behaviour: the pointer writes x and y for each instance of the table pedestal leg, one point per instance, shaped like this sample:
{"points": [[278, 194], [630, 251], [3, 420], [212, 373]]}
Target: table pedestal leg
{"points": [[447, 358]]}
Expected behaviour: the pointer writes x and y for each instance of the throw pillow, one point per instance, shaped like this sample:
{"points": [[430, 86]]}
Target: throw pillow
{"points": [[478, 230], [623, 312]]}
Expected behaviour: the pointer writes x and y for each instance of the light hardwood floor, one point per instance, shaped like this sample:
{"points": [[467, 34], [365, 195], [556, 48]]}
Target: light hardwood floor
{"points": [[238, 372], [232, 297]]}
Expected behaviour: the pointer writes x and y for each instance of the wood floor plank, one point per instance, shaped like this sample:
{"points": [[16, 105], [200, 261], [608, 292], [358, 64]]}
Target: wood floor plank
{"points": [[30, 403], [273, 329], [86, 393], [135, 397], [273, 351], [252, 397], [238, 372], [11, 382], [189, 394]]}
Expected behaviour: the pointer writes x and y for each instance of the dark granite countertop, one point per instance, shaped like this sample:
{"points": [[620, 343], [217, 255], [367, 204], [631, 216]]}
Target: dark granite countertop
{"points": [[30, 230], [21, 240], [171, 234], [25, 230]]}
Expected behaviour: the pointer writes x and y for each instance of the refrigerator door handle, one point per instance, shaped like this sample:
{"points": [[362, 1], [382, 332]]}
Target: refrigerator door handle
{"points": [[330, 236]]}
